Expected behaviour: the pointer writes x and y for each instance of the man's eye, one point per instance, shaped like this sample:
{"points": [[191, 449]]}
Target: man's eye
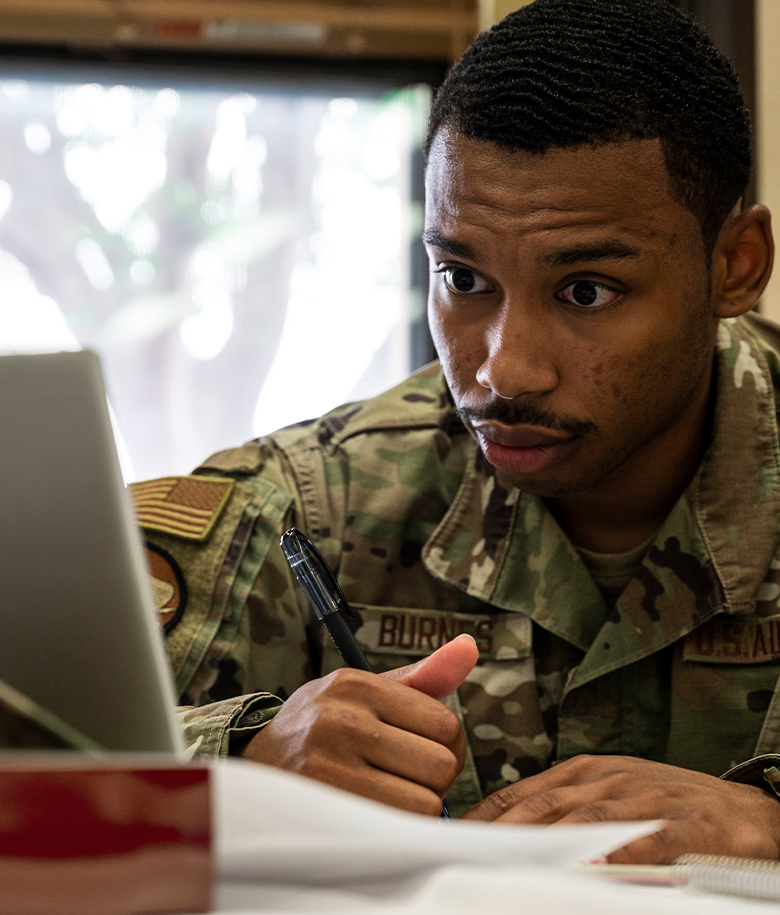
{"points": [[588, 294], [461, 280]]}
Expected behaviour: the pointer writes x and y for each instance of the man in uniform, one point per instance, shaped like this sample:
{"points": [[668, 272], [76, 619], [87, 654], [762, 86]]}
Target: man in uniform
{"points": [[586, 489]]}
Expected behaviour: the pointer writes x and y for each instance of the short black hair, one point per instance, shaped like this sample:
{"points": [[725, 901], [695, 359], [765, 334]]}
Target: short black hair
{"points": [[560, 73]]}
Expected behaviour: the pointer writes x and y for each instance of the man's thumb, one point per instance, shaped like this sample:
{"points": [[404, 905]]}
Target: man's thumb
{"points": [[441, 673]]}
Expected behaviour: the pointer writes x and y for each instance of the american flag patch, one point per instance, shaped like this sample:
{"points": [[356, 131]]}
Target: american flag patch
{"points": [[183, 506]]}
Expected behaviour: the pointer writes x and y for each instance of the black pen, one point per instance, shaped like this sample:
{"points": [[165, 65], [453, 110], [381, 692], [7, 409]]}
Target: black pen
{"points": [[325, 596], [323, 593]]}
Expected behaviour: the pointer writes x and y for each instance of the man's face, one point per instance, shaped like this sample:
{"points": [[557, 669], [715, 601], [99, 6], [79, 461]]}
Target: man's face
{"points": [[570, 308]]}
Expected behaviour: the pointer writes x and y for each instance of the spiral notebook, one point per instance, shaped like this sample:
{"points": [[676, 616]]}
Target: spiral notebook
{"points": [[735, 876], [749, 878]]}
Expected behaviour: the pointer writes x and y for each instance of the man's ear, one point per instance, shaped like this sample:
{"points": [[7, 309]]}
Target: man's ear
{"points": [[742, 261]]}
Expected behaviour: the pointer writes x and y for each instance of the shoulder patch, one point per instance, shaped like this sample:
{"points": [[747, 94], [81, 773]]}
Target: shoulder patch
{"points": [[168, 587], [185, 507]]}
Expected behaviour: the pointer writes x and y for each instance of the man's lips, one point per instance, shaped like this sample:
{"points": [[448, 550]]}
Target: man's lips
{"points": [[521, 450], [520, 436]]}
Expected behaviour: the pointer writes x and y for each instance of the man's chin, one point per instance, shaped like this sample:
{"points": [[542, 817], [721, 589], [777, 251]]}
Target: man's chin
{"points": [[542, 489]]}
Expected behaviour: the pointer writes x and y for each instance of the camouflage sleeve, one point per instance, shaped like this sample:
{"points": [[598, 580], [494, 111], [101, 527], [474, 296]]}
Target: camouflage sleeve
{"points": [[225, 595], [761, 772], [224, 728]]}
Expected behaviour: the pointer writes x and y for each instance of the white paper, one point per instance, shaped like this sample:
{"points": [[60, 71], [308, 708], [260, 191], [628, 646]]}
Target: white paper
{"points": [[286, 844], [463, 889], [281, 828]]}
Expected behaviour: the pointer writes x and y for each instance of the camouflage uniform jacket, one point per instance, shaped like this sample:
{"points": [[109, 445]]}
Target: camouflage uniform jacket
{"points": [[427, 544]]}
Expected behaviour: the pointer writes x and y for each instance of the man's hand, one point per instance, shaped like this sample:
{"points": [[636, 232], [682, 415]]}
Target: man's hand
{"points": [[385, 736], [704, 814]]}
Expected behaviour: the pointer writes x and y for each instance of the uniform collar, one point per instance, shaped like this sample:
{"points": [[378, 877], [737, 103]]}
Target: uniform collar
{"points": [[737, 498]]}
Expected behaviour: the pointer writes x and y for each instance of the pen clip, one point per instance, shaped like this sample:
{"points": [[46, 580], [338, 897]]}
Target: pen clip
{"points": [[327, 576]]}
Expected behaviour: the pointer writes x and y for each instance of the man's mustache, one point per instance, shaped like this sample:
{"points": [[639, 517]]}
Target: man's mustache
{"points": [[526, 414]]}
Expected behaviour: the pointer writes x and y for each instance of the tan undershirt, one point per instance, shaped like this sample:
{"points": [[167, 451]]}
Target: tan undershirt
{"points": [[613, 571]]}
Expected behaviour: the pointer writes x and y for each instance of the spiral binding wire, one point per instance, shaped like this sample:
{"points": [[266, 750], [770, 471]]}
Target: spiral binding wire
{"points": [[736, 876]]}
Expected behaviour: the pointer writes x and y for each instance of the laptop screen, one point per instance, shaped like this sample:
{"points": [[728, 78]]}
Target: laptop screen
{"points": [[79, 631]]}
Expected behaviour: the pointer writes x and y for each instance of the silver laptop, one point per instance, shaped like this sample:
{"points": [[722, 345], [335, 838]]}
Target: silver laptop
{"points": [[78, 629]]}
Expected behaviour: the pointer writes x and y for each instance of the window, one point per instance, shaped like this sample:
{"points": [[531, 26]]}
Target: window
{"points": [[239, 256]]}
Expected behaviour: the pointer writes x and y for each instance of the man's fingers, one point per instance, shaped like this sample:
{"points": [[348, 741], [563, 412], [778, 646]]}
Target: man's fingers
{"points": [[494, 805], [701, 830], [407, 732], [500, 802], [377, 785], [414, 758], [571, 804], [353, 728], [374, 735], [441, 673], [345, 692], [703, 814], [662, 847]]}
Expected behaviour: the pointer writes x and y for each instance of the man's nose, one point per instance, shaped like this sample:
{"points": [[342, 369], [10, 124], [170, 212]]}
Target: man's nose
{"points": [[521, 353]]}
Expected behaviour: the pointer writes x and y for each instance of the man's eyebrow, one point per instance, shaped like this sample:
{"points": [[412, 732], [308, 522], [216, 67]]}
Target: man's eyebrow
{"points": [[456, 248], [610, 250], [566, 256]]}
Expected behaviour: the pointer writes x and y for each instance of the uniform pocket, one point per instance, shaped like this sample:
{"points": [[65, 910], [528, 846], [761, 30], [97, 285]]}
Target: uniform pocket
{"points": [[722, 684]]}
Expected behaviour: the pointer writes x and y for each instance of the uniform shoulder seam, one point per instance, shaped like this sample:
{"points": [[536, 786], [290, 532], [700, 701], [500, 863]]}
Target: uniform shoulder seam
{"points": [[421, 401]]}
